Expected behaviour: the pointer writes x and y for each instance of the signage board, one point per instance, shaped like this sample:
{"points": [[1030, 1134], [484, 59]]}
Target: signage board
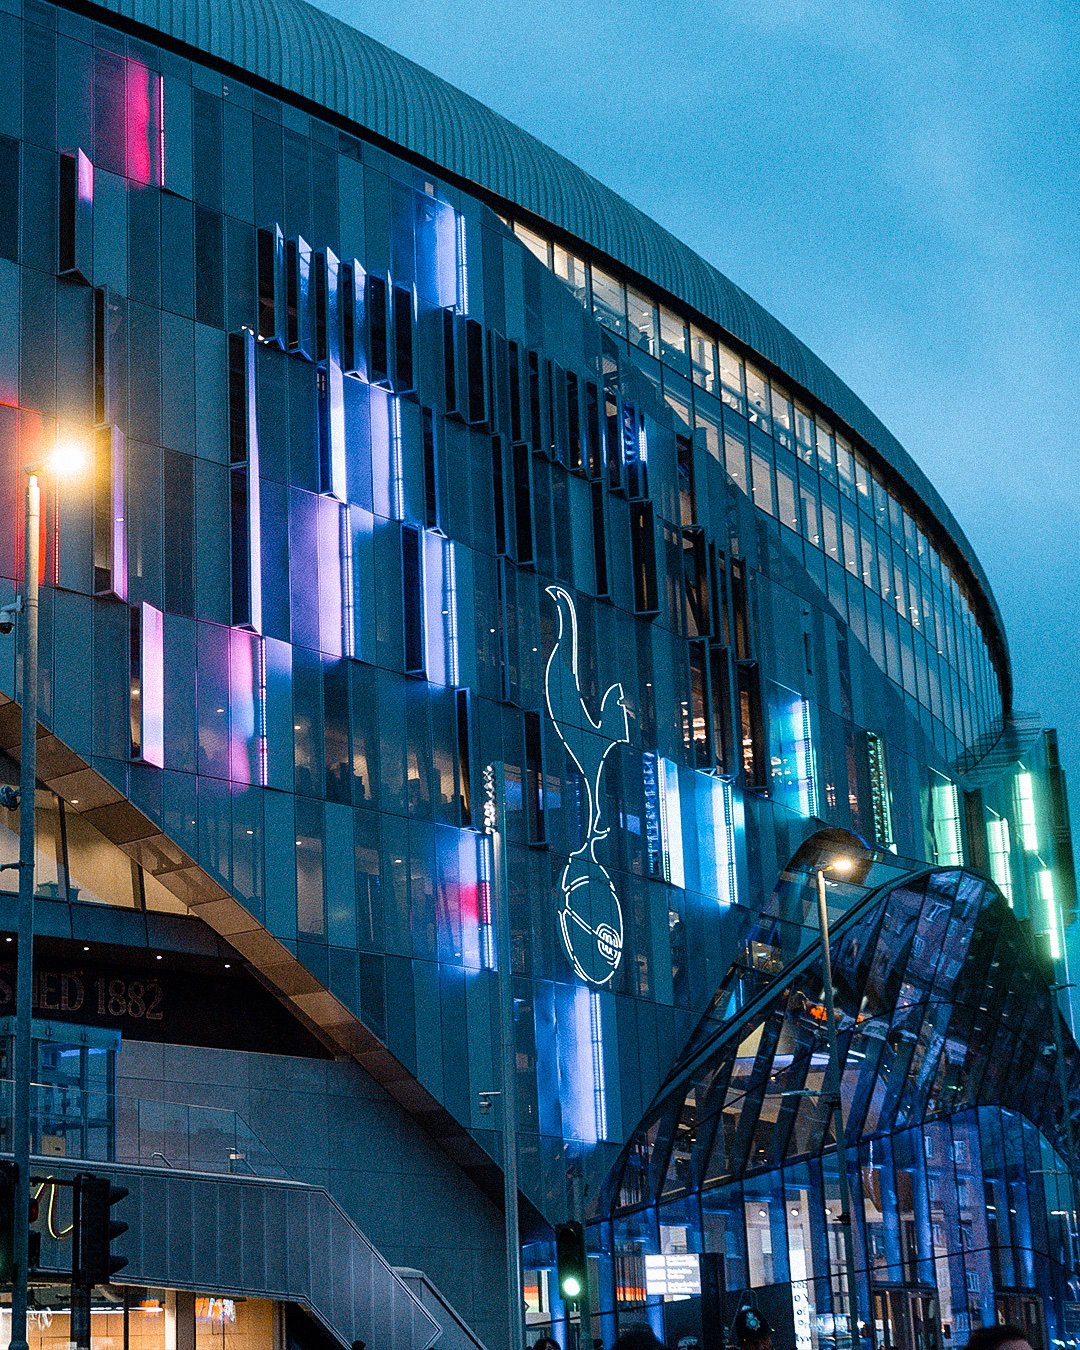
{"points": [[674, 1274]]}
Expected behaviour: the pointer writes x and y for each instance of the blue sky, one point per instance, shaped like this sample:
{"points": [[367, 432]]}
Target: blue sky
{"points": [[897, 182]]}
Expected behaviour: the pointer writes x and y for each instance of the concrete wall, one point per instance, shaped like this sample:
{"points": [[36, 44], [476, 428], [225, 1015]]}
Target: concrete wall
{"points": [[328, 1123]]}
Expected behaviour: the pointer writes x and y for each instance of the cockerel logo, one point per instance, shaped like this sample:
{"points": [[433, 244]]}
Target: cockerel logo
{"points": [[590, 917]]}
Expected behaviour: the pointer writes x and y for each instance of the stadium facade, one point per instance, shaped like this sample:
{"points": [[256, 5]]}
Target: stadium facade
{"points": [[457, 543]]}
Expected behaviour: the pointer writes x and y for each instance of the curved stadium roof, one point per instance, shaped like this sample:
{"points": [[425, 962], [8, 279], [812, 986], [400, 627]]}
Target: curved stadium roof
{"points": [[299, 49]]}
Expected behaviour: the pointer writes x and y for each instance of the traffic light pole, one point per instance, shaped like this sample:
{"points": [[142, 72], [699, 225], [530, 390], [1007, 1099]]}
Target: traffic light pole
{"points": [[24, 955], [584, 1302], [497, 830]]}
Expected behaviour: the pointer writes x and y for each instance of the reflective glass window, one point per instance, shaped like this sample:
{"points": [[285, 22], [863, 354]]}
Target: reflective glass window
{"points": [[708, 424], [783, 417], [826, 451], [641, 321], [572, 271], [786, 504], [537, 245], [703, 361], [732, 379], [757, 398], [673, 337], [608, 301]]}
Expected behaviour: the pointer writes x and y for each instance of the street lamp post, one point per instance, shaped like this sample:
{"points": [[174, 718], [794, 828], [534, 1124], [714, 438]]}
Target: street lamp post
{"points": [[495, 827], [840, 865], [24, 954], [64, 459]]}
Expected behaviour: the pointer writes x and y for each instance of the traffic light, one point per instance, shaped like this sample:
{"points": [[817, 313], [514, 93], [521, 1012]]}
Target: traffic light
{"points": [[570, 1260], [93, 1261]]}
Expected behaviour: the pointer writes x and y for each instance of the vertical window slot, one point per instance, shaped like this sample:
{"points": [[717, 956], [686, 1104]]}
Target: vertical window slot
{"points": [[634, 452], [498, 482], [353, 283], [696, 582], [534, 778], [740, 604], [404, 320], [514, 359], [379, 346], [463, 704], [329, 390], [432, 485], [451, 328], [244, 493], [720, 705], [753, 757], [575, 459], [270, 262], [612, 430], [76, 233], [599, 535], [105, 315], [536, 430], [721, 610], [523, 510], [687, 495], [593, 445], [700, 720], [319, 283], [147, 686], [298, 295], [476, 373], [110, 535], [643, 554], [412, 575]]}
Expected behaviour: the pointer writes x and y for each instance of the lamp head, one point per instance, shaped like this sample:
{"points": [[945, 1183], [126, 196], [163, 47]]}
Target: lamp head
{"points": [[68, 457], [841, 865]]}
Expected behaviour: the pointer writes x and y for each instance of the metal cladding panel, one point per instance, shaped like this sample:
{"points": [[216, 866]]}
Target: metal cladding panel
{"points": [[251, 1240], [205, 1248], [265, 1239], [311, 54]]}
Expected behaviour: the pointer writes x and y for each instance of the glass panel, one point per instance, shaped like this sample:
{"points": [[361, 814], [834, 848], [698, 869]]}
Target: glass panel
{"points": [[608, 301], [641, 320], [732, 379], [537, 245], [757, 398], [572, 271], [704, 361], [673, 341]]}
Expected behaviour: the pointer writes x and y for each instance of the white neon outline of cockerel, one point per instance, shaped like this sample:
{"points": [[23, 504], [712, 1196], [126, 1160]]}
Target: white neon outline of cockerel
{"points": [[593, 743]]}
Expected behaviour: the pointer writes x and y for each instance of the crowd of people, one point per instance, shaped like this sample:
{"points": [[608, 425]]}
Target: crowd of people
{"points": [[751, 1331]]}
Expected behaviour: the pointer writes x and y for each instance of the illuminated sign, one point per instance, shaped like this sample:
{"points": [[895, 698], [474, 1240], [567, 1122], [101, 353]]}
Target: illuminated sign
{"points": [[590, 917], [675, 1275]]}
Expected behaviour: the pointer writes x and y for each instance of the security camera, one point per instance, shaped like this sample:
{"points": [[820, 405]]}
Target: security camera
{"points": [[9, 796], [7, 615]]}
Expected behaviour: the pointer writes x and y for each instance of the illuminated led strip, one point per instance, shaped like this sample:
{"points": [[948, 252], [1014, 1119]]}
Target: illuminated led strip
{"points": [[485, 850], [348, 598], [451, 612], [1029, 829], [462, 265], [262, 743], [397, 466], [596, 1029], [1053, 925]]}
